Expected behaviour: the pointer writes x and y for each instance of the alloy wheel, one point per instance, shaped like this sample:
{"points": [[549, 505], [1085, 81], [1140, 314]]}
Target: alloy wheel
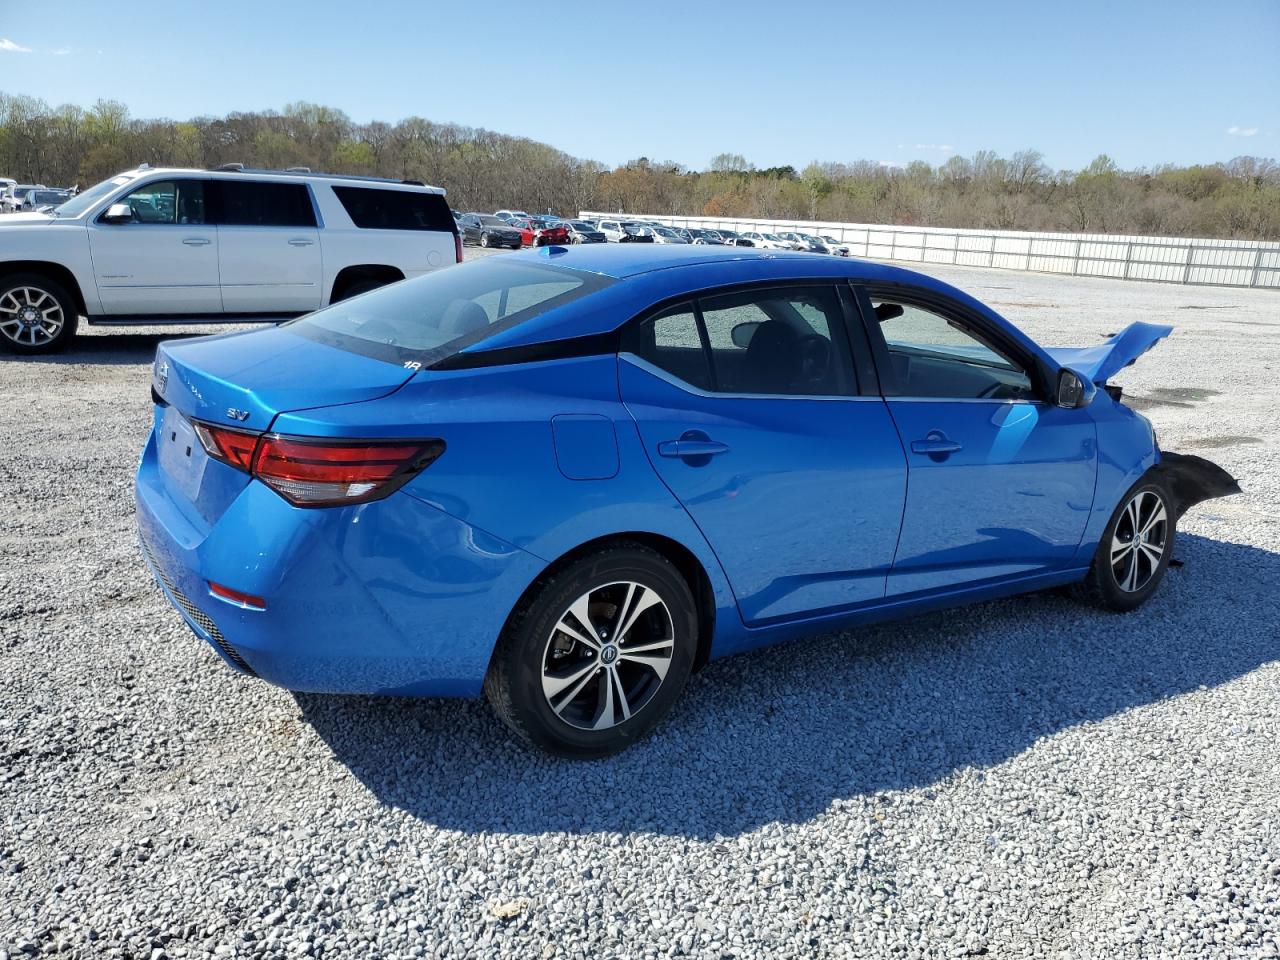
{"points": [[607, 655], [1139, 541], [30, 316]]}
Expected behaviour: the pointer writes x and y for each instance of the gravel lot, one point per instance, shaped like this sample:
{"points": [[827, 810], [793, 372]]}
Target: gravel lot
{"points": [[1028, 778]]}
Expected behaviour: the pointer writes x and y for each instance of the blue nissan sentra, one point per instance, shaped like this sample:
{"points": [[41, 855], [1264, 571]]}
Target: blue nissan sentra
{"points": [[569, 478]]}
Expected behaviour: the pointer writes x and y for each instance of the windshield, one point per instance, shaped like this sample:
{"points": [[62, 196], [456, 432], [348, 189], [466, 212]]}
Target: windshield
{"points": [[433, 317], [87, 198]]}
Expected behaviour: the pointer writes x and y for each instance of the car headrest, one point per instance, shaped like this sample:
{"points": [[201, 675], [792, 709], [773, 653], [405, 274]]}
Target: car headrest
{"points": [[462, 317]]}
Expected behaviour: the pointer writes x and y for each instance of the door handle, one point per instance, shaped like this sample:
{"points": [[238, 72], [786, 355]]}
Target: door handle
{"points": [[301, 243], [196, 241], [936, 444], [691, 447]]}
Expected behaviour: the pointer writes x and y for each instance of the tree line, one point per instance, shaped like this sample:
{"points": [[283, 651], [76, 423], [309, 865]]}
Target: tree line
{"points": [[484, 170]]}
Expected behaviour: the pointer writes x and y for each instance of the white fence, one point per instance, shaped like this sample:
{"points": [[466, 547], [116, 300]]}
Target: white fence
{"points": [[1225, 263]]}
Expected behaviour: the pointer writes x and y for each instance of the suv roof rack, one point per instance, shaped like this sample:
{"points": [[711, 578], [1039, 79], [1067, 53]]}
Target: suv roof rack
{"points": [[307, 171]]}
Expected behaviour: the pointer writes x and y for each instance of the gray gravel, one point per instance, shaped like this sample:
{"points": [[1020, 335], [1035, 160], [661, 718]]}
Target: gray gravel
{"points": [[1027, 778]]}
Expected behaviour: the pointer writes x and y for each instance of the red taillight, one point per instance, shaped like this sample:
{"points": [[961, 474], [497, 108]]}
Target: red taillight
{"points": [[314, 473], [237, 597], [311, 473], [457, 246], [233, 447]]}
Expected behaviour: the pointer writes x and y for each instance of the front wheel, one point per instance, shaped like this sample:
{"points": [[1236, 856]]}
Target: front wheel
{"points": [[36, 314], [596, 654], [484, 240], [1135, 550]]}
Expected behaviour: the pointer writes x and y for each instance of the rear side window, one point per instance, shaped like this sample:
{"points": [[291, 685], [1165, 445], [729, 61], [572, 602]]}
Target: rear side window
{"points": [[253, 203], [785, 341], [374, 209], [671, 342], [430, 318]]}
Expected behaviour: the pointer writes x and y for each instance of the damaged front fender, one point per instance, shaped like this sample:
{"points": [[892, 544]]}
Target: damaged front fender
{"points": [[1191, 480]]}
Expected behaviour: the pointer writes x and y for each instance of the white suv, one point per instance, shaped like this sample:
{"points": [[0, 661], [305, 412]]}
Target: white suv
{"points": [[225, 245]]}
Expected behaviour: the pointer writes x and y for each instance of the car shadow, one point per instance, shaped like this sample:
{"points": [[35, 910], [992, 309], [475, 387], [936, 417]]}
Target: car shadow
{"points": [[782, 735], [108, 349]]}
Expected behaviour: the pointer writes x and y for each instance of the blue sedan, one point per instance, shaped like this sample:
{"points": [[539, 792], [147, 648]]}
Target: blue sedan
{"points": [[570, 478]]}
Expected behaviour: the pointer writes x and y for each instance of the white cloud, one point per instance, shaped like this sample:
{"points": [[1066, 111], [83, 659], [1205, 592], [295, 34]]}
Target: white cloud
{"points": [[10, 47], [1242, 131], [889, 164], [61, 51], [940, 147]]}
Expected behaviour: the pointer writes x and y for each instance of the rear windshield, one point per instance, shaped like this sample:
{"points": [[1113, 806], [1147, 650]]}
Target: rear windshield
{"points": [[430, 318], [373, 209]]}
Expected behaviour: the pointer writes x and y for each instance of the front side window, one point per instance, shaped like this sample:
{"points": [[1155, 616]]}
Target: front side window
{"points": [[168, 201], [255, 203], [779, 342], [932, 355], [432, 317]]}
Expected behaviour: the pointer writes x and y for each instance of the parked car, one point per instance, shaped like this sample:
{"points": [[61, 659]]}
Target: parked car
{"points": [[549, 230], [583, 231], [838, 247], [815, 244], [16, 195], [174, 245], [663, 234], [794, 240], [509, 215], [704, 237], [625, 231], [488, 231], [42, 199], [395, 501], [767, 241], [735, 239]]}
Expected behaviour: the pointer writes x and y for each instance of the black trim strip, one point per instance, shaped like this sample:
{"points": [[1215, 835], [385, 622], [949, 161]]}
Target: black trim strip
{"points": [[596, 344]]}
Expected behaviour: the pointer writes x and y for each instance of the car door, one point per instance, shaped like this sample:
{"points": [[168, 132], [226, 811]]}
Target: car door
{"points": [[269, 256], [750, 411], [163, 259], [1000, 481]]}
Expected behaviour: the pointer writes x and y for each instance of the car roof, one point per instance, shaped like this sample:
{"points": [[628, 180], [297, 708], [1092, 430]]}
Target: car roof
{"points": [[288, 176], [652, 273]]}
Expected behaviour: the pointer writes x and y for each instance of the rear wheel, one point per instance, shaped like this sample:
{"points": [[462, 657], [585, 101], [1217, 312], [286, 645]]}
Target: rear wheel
{"points": [[1135, 549], [37, 315], [358, 287], [597, 653]]}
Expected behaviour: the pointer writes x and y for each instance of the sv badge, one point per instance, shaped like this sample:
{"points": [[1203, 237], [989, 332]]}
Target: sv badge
{"points": [[234, 414]]}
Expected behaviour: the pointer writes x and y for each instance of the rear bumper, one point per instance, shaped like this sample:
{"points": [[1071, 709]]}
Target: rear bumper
{"points": [[391, 597]]}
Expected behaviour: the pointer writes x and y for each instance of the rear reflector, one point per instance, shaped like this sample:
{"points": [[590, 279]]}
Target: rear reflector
{"points": [[235, 596], [457, 246], [311, 472]]}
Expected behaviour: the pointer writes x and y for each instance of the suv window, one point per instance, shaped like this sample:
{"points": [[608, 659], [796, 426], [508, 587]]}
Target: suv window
{"points": [[374, 209], [168, 201], [255, 203], [931, 355], [785, 341], [432, 317]]}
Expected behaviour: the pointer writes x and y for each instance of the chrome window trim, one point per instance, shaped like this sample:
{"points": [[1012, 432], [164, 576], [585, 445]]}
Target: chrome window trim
{"points": [[689, 388]]}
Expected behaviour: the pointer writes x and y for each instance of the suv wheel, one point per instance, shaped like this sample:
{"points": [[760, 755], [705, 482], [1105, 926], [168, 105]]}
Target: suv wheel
{"points": [[594, 658], [37, 315]]}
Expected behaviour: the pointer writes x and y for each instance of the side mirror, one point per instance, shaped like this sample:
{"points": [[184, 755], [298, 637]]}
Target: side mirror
{"points": [[118, 213], [1074, 390]]}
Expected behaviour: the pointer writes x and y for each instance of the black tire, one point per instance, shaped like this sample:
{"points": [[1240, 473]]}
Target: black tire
{"points": [[1129, 581], [532, 643], [19, 291], [484, 240], [359, 287]]}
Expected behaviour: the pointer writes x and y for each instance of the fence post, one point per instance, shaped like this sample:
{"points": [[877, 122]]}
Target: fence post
{"points": [[893, 244], [1128, 258], [1257, 268], [1186, 270], [1075, 260], [991, 254]]}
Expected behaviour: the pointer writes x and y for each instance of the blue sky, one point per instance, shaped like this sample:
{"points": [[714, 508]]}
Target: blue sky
{"points": [[783, 81]]}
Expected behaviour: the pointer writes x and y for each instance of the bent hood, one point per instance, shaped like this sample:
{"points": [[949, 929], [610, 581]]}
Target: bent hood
{"points": [[1104, 361]]}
